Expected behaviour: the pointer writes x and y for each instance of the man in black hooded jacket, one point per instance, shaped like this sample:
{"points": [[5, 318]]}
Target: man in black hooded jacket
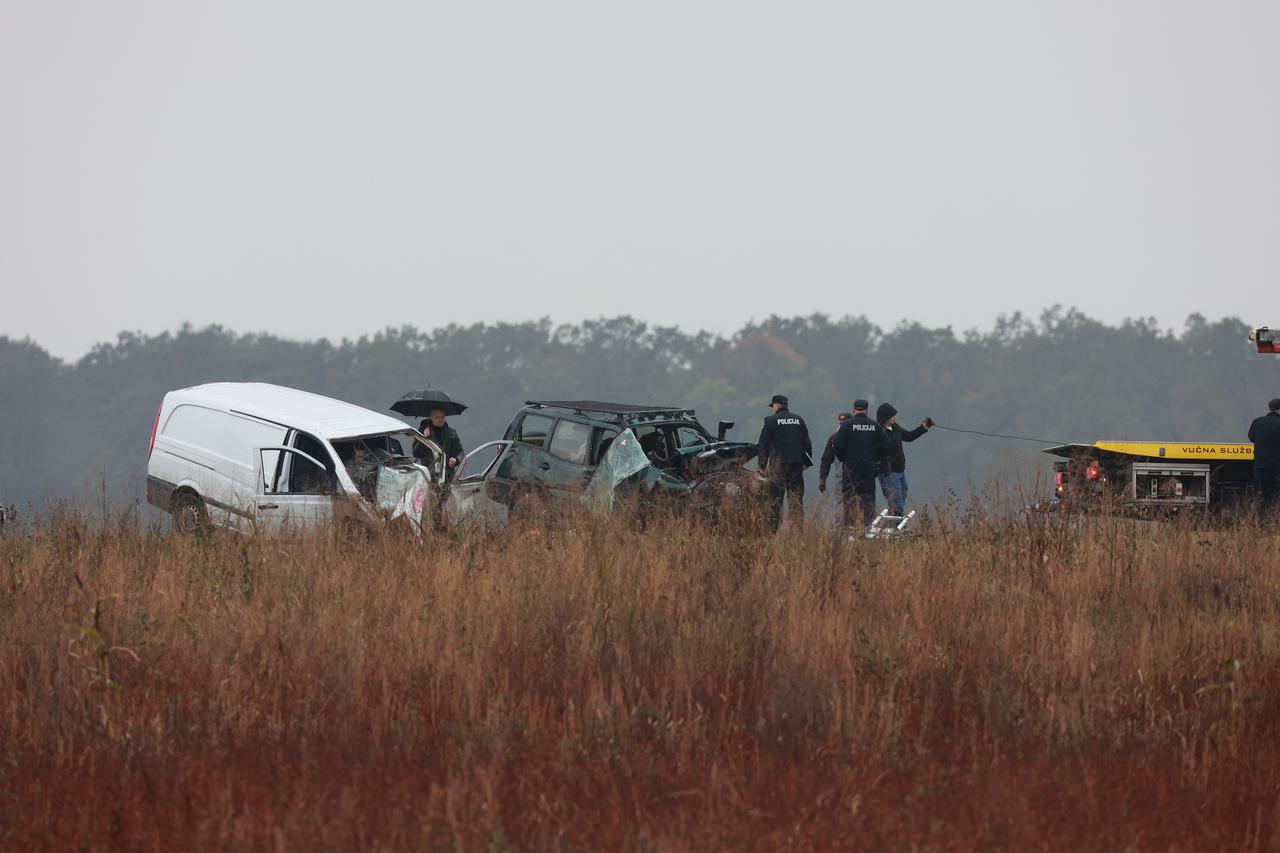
{"points": [[893, 465]]}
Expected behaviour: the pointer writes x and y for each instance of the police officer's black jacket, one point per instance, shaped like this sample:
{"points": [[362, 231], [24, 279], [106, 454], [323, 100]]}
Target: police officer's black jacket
{"points": [[445, 436], [784, 438], [861, 444], [1264, 432], [828, 456], [895, 461]]}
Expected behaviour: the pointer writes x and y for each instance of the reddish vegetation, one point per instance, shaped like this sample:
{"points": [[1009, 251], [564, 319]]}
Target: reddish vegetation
{"points": [[1010, 688]]}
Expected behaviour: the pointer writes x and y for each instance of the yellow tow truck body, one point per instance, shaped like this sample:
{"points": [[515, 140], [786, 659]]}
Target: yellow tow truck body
{"points": [[1152, 474]]}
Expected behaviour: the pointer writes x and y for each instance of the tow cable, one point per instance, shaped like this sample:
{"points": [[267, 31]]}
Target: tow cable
{"points": [[1000, 435]]}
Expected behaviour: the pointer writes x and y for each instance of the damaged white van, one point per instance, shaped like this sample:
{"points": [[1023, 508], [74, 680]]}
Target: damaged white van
{"points": [[251, 456]]}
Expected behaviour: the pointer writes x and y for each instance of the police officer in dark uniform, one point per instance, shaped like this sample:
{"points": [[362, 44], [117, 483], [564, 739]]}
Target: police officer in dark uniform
{"points": [[785, 451], [860, 445], [829, 460], [829, 452], [1264, 432]]}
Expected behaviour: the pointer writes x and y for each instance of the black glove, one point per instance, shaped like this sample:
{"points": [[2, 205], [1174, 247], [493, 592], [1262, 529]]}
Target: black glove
{"points": [[927, 422]]}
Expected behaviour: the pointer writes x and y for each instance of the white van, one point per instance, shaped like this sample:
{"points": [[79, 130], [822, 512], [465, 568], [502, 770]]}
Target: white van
{"points": [[251, 456]]}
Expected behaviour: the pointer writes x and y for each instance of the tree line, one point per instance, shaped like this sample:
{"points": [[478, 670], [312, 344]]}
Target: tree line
{"points": [[80, 431]]}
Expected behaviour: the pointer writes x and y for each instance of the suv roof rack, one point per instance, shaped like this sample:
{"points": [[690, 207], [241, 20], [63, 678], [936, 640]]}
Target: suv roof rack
{"points": [[620, 411]]}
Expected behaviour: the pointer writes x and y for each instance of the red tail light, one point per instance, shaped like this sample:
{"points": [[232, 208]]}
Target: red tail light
{"points": [[154, 428], [1091, 473], [1058, 481]]}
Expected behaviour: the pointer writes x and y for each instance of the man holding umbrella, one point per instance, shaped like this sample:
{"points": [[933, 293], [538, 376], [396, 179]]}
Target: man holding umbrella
{"points": [[437, 405], [438, 430]]}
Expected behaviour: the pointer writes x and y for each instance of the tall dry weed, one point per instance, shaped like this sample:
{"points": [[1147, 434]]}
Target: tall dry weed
{"points": [[1046, 682]]}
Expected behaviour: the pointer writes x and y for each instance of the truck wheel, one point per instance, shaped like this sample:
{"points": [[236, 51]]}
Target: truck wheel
{"points": [[189, 516]]}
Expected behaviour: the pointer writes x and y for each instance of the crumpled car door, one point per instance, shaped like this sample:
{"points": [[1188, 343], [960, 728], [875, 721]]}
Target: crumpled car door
{"points": [[524, 466], [404, 490], [624, 460]]}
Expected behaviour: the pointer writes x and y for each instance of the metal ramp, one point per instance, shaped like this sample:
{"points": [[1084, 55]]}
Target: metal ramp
{"points": [[886, 526]]}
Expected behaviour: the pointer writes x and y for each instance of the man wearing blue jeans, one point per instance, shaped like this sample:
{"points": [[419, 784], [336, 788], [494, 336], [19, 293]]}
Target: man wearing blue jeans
{"points": [[893, 473]]}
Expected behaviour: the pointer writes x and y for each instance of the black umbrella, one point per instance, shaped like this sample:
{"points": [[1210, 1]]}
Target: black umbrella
{"points": [[420, 404]]}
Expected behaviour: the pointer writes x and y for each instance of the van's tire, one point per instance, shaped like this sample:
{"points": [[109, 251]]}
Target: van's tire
{"points": [[353, 532], [189, 515]]}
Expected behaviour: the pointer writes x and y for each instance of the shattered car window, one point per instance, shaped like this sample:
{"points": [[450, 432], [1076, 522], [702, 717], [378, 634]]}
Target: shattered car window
{"points": [[690, 437], [624, 459]]}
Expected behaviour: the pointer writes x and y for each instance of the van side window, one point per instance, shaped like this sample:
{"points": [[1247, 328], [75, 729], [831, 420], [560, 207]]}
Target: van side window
{"points": [[571, 441], [240, 434], [196, 425], [534, 429], [305, 478]]}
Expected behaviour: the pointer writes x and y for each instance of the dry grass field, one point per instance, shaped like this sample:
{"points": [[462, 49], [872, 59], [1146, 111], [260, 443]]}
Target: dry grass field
{"points": [[596, 687]]}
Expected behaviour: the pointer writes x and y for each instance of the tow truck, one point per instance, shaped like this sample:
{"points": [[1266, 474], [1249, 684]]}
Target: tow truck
{"points": [[1148, 477]]}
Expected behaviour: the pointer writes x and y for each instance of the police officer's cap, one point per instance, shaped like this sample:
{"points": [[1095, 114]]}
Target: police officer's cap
{"points": [[1274, 405], [779, 398], [861, 404]]}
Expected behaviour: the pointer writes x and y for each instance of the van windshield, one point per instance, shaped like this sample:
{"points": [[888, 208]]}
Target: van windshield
{"points": [[365, 455]]}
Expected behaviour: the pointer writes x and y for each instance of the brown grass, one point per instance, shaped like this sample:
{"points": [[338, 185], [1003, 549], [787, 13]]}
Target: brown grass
{"points": [[1002, 688]]}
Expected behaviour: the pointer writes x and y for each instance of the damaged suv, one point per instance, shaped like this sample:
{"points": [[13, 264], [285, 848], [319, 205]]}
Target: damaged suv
{"points": [[599, 453]]}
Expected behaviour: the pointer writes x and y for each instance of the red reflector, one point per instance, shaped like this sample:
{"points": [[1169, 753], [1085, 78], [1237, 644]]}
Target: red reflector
{"points": [[154, 428]]}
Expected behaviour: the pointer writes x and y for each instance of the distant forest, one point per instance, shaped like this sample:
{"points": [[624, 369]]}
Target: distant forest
{"points": [[70, 429]]}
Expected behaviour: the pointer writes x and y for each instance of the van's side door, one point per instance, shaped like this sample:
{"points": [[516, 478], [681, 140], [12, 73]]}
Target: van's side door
{"points": [[296, 491]]}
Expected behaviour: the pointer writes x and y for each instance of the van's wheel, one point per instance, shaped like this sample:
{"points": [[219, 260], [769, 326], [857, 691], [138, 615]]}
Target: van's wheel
{"points": [[189, 516], [354, 532]]}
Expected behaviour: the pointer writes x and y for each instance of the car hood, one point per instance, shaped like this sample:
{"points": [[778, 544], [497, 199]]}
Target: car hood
{"points": [[717, 456], [626, 463]]}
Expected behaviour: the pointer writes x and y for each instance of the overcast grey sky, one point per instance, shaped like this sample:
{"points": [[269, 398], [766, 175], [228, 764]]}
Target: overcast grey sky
{"points": [[316, 168]]}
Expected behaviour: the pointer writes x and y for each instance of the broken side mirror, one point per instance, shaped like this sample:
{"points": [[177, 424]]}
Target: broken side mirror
{"points": [[723, 429]]}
